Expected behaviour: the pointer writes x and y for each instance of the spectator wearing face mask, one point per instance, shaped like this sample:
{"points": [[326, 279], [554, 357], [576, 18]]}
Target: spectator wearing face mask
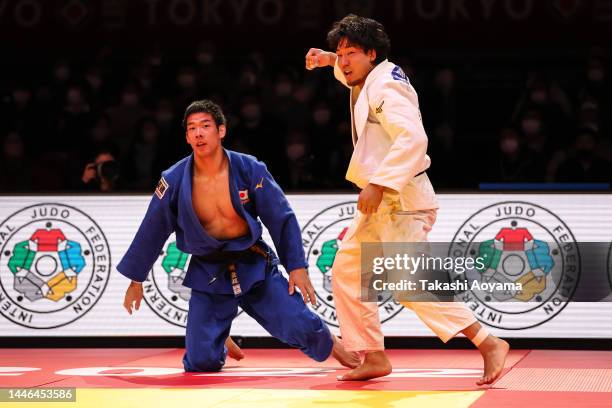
{"points": [[287, 100], [595, 81], [97, 87], [16, 107], [125, 115], [96, 138], [55, 90], [552, 103], [590, 116], [448, 153], [299, 162], [250, 81], [439, 103], [538, 145], [584, 164], [325, 146], [143, 163], [143, 74], [73, 120], [16, 112], [595, 89], [15, 168], [187, 88], [169, 126], [262, 135], [210, 75], [510, 163]]}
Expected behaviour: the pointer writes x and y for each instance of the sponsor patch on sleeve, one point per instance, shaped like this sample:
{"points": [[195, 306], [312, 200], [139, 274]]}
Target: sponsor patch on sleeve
{"points": [[162, 186]]}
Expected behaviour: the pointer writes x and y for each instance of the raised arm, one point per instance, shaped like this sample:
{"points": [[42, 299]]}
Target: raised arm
{"points": [[317, 58]]}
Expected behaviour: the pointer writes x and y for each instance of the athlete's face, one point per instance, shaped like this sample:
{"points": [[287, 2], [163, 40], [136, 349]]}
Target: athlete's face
{"points": [[354, 63], [203, 134]]}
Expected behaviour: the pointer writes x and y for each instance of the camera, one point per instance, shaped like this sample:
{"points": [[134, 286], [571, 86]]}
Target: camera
{"points": [[108, 170]]}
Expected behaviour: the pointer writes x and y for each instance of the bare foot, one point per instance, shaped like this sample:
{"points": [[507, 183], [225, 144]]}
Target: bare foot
{"points": [[376, 364], [494, 352], [233, 350], [346, 358]]}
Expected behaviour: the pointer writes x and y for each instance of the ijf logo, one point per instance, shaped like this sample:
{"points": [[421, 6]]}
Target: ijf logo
{"points": [[519, 242], [54, 265], [321, 238], [164, 291]]}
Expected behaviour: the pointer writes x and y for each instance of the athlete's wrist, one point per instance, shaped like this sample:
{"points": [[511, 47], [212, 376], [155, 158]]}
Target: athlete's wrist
{"points": [[377, 187], [332, 58]]}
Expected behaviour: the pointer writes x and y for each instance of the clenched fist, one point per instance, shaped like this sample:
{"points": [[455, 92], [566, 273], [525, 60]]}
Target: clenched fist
{"points": [[316, 58]]}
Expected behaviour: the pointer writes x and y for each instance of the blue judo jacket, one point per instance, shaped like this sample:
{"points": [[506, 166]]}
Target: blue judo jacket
{"points": [[254, 194]]}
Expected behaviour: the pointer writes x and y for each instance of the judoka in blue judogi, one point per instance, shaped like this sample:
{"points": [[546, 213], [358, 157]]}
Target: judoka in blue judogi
{"points": [[226, 274]]}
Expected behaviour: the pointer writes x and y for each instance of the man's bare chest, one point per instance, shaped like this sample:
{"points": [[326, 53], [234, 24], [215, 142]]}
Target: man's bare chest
{"points": [[212, 200]]}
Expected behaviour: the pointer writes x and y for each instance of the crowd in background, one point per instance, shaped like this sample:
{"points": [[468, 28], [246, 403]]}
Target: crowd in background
{"points": [[112, 122]]}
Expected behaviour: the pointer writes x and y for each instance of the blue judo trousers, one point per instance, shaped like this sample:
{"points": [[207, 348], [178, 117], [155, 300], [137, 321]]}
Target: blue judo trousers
{"points": [[255, 284]]}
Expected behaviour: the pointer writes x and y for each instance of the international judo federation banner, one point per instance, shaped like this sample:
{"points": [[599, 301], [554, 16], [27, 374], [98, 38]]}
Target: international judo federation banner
{"points": [[58, 258]]}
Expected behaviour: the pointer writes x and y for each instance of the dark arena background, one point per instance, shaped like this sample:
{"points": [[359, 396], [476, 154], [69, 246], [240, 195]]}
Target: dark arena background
{"points": [[516, 101]]}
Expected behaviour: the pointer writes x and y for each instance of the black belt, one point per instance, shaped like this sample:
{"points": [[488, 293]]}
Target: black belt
{"points": [[229, 258], [225, 256]]}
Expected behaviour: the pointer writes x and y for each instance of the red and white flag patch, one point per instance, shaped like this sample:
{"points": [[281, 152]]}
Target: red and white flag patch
{"points": [[244, 196]]}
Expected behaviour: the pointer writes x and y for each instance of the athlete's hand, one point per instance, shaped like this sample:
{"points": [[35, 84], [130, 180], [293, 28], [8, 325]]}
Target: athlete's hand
{"points": [[299, 277], [316, 58], [370, 198], [133, 294]]}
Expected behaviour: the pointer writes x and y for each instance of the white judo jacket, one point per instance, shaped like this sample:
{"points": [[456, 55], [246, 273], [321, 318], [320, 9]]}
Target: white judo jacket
{"points": [[389, 140]]}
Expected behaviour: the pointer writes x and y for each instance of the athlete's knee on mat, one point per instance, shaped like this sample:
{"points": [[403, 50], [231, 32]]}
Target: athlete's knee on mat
{"points": [[323, 351], [203, 362], [318, 342]]}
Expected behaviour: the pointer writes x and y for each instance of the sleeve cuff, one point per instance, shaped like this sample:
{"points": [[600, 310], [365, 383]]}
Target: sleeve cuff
{"points": [[385, 183], [126, 271], [291, 267]]}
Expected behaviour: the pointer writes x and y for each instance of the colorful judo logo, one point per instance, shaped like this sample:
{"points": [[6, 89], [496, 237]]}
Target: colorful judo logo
{"points": [[524, 243], [514, 256], [46, 265], [321, 237], [54, 265]]}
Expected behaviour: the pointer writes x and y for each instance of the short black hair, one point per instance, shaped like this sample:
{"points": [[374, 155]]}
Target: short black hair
{"points": [[365, 32], [205, 106]]}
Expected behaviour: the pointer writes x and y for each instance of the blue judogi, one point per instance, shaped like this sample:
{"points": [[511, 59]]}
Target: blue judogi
{"points": [[263, 291]]}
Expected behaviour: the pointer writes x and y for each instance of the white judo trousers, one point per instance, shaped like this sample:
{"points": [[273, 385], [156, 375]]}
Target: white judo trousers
{"points": [[359, 321]]}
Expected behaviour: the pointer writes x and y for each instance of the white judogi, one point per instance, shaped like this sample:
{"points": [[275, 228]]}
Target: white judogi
{"points": [[390, 148]]}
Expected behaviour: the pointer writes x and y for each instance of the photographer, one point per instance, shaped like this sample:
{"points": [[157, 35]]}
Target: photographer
{"points": [[102, 174]]}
